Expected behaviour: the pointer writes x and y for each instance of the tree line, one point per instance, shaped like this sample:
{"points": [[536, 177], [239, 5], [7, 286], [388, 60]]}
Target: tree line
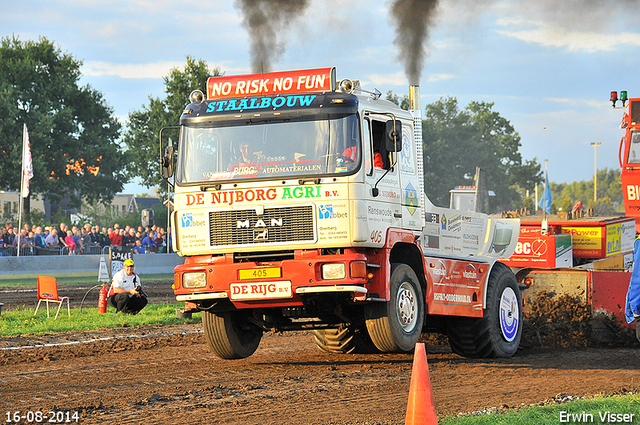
{"points": [[80, 151]]}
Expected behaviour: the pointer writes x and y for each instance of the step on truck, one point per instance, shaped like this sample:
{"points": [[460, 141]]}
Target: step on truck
{"points": [[299, 204]]}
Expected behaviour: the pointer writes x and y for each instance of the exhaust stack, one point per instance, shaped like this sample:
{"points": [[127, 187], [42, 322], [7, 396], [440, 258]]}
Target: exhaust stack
{"points": [[414, 97], [414, 109]]}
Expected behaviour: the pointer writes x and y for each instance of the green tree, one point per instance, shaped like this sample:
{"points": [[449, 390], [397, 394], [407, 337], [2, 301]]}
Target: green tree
{"points": [[72, 132], [609, 192], [457, 141], [403, 102], [141, 137]]}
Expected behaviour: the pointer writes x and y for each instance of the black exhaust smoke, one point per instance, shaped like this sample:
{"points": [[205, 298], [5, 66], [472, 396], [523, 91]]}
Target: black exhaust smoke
{"points": [[264, 20], [413, 19]]}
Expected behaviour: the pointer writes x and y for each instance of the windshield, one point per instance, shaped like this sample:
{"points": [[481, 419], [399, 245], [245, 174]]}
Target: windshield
{"points": [[275, 150], [634, 148]]}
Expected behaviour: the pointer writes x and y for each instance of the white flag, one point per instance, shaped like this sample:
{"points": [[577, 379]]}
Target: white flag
{"points": [[27, 167]]}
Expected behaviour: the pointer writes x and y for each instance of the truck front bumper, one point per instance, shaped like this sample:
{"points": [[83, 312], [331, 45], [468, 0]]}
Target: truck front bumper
{"points": [[275, 283]]}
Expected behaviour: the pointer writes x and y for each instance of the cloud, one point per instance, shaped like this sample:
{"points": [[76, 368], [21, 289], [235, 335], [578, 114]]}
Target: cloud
{"points": [[591, 42], [129, 71], [577, 103], [394, 79], [439, 77]]}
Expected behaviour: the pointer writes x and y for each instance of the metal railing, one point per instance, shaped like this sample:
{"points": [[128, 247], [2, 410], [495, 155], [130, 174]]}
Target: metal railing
{"points": [[11, 251]]}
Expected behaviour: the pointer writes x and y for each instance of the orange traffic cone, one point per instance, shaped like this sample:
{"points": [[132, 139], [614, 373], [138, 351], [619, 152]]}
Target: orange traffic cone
{"points": [[420, 409]]}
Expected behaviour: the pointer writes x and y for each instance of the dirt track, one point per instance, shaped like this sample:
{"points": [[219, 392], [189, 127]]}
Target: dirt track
{"points": [[132, 378], [166, 375]]}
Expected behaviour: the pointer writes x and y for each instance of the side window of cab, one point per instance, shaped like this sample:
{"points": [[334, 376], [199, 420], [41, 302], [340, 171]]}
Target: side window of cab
{"points": [[382, 159]]}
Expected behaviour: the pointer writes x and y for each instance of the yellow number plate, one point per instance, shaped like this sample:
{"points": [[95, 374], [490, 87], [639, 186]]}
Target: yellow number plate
{"points": [[263, 273]]}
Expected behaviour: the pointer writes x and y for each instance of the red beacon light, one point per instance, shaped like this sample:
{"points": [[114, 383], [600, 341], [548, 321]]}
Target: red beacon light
{"points": [[623, 98]]}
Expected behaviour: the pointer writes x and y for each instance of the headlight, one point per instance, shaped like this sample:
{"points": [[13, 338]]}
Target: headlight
{"points": [[334, 271], [194, 280]]}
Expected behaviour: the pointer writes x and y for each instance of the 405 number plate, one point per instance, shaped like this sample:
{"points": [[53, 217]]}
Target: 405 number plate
{"points": [[261, 273]]}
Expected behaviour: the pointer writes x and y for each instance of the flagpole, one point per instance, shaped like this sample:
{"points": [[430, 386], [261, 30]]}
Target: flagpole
{"points": [[544, 195], [24, 146]]}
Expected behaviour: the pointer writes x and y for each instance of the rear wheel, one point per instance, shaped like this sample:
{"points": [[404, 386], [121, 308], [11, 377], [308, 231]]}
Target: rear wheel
{"points": [[498, 332], [345, 340], [230, 335], [395, 326]]}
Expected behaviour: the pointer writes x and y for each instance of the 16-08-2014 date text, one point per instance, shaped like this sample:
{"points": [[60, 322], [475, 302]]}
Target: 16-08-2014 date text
{"points": [[37, 417]]}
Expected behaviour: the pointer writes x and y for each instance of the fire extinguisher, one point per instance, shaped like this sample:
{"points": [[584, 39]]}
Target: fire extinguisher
{"points": [[102, 300]]}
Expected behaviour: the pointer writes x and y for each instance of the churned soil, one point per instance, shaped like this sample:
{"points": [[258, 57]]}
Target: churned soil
{"points": [[167, 375]]}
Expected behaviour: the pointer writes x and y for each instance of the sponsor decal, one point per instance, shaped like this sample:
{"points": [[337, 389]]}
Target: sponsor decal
{"points": [[294, 168], [614, 241], [452, 298], [287, 82], [301, 192], [406, 155], [325, 211], [411, 198], [258, 103], [470, 239], [470, 272], [440, 270], [187, 219], [535, 248], [453, 223], [231, 197], [633, 192], [248, 291]]}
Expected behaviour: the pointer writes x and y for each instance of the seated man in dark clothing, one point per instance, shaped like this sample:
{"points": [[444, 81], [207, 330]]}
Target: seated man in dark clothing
{"points": [[126, 293]]}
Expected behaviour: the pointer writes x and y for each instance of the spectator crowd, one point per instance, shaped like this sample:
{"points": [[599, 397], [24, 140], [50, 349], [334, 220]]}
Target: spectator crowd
{"points": [[87, 239]]}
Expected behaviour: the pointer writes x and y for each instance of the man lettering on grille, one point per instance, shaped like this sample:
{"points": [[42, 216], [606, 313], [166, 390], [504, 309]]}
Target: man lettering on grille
{"points": [[126, 293]]}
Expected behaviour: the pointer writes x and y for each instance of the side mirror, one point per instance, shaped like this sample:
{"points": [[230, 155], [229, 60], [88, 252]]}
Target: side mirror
{"points": [[393, 131], [167, 161], [146, 218]]}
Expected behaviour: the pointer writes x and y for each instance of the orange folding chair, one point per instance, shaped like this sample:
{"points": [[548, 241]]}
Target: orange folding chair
{"points": [[48, 291]]}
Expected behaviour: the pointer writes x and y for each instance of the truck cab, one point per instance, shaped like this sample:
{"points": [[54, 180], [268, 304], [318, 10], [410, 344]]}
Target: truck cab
{"points": [[299, 204]]}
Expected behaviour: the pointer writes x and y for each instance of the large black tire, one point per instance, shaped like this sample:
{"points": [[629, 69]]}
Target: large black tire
{"points": [[498, 332], [345, 340], [230, 335], [395, 326]]}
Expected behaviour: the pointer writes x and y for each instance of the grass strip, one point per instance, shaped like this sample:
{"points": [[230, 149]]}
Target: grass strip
{"points": [[619, 409], [21, 321]]}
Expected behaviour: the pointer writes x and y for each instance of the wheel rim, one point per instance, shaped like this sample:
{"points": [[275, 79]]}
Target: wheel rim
{"points": [[509, 314], [407, 307]]}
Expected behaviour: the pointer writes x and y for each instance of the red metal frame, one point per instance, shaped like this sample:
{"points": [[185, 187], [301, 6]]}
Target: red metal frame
{"points": [[630, 171], [453, 287]]}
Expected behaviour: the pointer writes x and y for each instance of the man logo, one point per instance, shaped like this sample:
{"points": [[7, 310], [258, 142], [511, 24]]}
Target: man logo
{"points": [[261, 235], [246, 224]]}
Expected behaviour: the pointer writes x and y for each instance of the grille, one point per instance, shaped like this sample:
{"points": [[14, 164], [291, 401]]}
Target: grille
{"points": [[275, 225]]}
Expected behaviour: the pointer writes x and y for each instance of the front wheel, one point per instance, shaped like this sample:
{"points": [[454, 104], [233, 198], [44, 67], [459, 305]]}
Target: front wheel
{"points": [[395, 326], [230, 335], [498, 332]]}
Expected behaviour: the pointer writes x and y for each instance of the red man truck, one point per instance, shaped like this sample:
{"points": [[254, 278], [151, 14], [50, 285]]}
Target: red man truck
{"points": [[299, 205]]}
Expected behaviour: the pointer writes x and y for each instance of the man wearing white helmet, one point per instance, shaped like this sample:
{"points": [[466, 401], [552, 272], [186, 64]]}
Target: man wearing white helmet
{"points": [[126, 293]]}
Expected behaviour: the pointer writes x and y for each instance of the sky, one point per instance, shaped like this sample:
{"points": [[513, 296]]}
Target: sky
{"points": [[547, 65]]}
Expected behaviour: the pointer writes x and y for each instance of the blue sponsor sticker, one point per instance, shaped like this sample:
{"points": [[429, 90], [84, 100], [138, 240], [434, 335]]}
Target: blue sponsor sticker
{"points": [[325, 211], [187, 219]]}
